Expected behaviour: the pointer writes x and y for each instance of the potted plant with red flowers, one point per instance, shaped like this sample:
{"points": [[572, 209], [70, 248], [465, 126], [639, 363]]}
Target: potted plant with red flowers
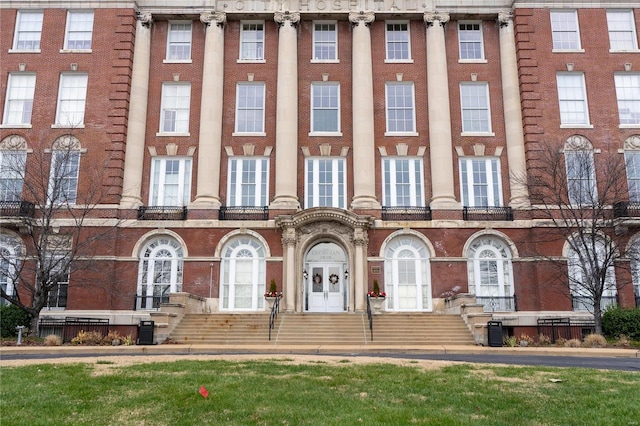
{"points": [[271, 295], [376, 298]]}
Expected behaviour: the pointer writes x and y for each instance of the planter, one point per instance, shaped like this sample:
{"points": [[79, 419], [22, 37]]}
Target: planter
{"points": [[377, 305], [270, 301]]}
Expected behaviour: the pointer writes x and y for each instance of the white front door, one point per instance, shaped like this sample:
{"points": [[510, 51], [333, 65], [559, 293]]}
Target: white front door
{"points": [[325, 288]]}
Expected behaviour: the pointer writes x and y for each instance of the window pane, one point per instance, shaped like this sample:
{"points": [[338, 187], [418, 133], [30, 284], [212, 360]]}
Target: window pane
{"points": [[402, 182], [176, 100], [71, 99], [400, 112], [19, 104], [621, 30], [628, 94], [12, 168], [581, 177], [252, 42], [470, 37], [632, 160], [79, 30], [250, 108], [28, 30], [63, 178], [325, 108], [397, 41], [248, 179], [475, 108], [572, 99], [480, 182], [179, 41], [564, 27], [325, 42]]}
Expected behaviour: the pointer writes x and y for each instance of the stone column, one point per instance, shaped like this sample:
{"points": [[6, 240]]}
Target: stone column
{"points": [[210, 138], [443, 194], [286, 196], [360, 274], [512, 113], [137, 120], [364, 187], [289, 270]]}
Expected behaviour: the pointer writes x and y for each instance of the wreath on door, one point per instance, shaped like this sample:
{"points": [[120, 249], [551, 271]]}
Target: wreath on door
{"points": [[334, 278], [317, 278]]}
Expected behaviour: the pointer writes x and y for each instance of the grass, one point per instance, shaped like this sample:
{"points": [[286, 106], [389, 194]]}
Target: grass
{"points": [[342, 393]]}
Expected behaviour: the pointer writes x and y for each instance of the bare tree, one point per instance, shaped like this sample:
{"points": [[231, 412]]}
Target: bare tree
{"points": [[59, 228]]}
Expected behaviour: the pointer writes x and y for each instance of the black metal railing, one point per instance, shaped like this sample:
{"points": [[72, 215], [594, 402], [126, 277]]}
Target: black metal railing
{"points": [[497, 303], [406, 213], [244, 213], [273, 316], [69, 327], [487, 213], [17, 209], [370, 316], [564, 328], [162, 213], [149, 303], [626, 209], [585, 303]]}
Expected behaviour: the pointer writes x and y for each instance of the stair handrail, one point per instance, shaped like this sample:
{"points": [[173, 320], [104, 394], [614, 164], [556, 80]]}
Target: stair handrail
{"points": [[370, 316], [274, 315]]}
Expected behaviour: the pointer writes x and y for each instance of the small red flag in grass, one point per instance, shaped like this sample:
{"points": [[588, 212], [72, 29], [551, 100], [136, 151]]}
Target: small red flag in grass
{"points": [[204, 392]]}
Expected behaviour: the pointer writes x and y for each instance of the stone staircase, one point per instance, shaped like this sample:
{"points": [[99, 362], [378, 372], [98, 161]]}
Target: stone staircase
{"points": [[390, 329]]}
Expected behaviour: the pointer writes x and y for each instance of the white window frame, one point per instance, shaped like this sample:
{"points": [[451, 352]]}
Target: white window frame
{"points": [[392, 107], [72, 92], [570, 97], [22, 31], [334, 186], [179, 37], [631, 42], [483, 251], [59, 294], [175, 107], [82, 28], [628, 97], [256, 54], [239, 178], [407, 251], [19, 100], [318, 41], [557, 30], [244, 104], [160, 181], [477, 184], [171, 261], [582, 187], [389, 41], [632, 166], [409, 168], [319, 103], [248, 251], [470, 36], [575, 276], [477, 113], [63, 179], [9, 264], [12, 171]]}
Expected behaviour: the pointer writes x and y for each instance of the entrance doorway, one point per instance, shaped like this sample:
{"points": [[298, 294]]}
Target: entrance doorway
{"points": [[326, 286]]}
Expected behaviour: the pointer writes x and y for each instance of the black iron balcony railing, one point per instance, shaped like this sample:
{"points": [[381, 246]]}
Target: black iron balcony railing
{"points": [[149, 303], [487, 213], [244, 213], [406, 213], [17, 209], [626, 209], [162, 213], [585, 303], [497, 303]]}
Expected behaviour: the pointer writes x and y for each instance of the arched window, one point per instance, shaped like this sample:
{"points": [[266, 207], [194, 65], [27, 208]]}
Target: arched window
{"points": [[490, 274], [160, 272], [243, 273], [13, 159], [407, 275], [584, 279], [581, 171], [10, 249]]}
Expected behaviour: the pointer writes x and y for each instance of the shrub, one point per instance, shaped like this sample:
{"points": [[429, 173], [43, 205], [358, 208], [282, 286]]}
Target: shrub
{"points": [[573, 343], [510, 341], [617, 321], [525, 340], [623, 341], [52, 340], [112, 336], [10, 317], [127, 340], [595, 340], [544, 340], [87, 338]]}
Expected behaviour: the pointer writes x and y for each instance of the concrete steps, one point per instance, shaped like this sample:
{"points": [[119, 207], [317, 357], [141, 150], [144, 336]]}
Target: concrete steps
{"points": [[223, 329]]}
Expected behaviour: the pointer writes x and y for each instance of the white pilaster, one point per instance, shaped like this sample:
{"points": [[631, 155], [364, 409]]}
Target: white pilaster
{"points": [[360, 278]]}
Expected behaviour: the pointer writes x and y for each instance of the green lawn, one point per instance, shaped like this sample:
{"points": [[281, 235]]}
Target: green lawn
{"points": [[317, 393]]}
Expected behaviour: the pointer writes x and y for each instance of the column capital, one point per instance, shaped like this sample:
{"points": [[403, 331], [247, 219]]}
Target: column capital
{"points": [[282, 17], [431, 17], [145, 18], [289, 237], [366, 17], [207, 18], [505, 18]]}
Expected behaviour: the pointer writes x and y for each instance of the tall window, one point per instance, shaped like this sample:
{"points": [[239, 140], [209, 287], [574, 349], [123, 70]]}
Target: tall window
{"points": [[10, 250], [72, 97], [325, 183], [586, 256], [401, 117], [325, 41], [19, 100], [325, 110], [572, 97], [179, 41], [250, 108], [480, 182], [565, 30], [252, 41], [63, 177], [476, 113], [58, 266], [403, 182], [12, 169], [176, 100], [632, 162], [79, 30], [581, 177], [159, 272], [398, 44], [248, 182], [470, 41], [243, 274], [170, 181], [28, 30], [635, 270], [628, 95], [622, 30], [407, 275], [490, 273]]}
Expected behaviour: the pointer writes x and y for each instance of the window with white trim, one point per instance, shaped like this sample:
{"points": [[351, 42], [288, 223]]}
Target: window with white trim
{"points": [[179, 41], [398, 41], [63, 176], [476, 111], [58, 267], [470, 41], [572, 97], [400, 107], [12, 170], [252, 41], [160, 272], [480, 182], [10, 252], [407, 275], [19, 100], [248, 182], [325, 107], [622, 30], [628, 95], [250, 107], [565, 30], [170, 181], [581, 177], [632, 163], [325, 41], [79, 30], [243, 274], [326, 183], [403, 182], [634, 255], [176, 104], [28, 30], [72, 97], [584, 257], [491, 274]]}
